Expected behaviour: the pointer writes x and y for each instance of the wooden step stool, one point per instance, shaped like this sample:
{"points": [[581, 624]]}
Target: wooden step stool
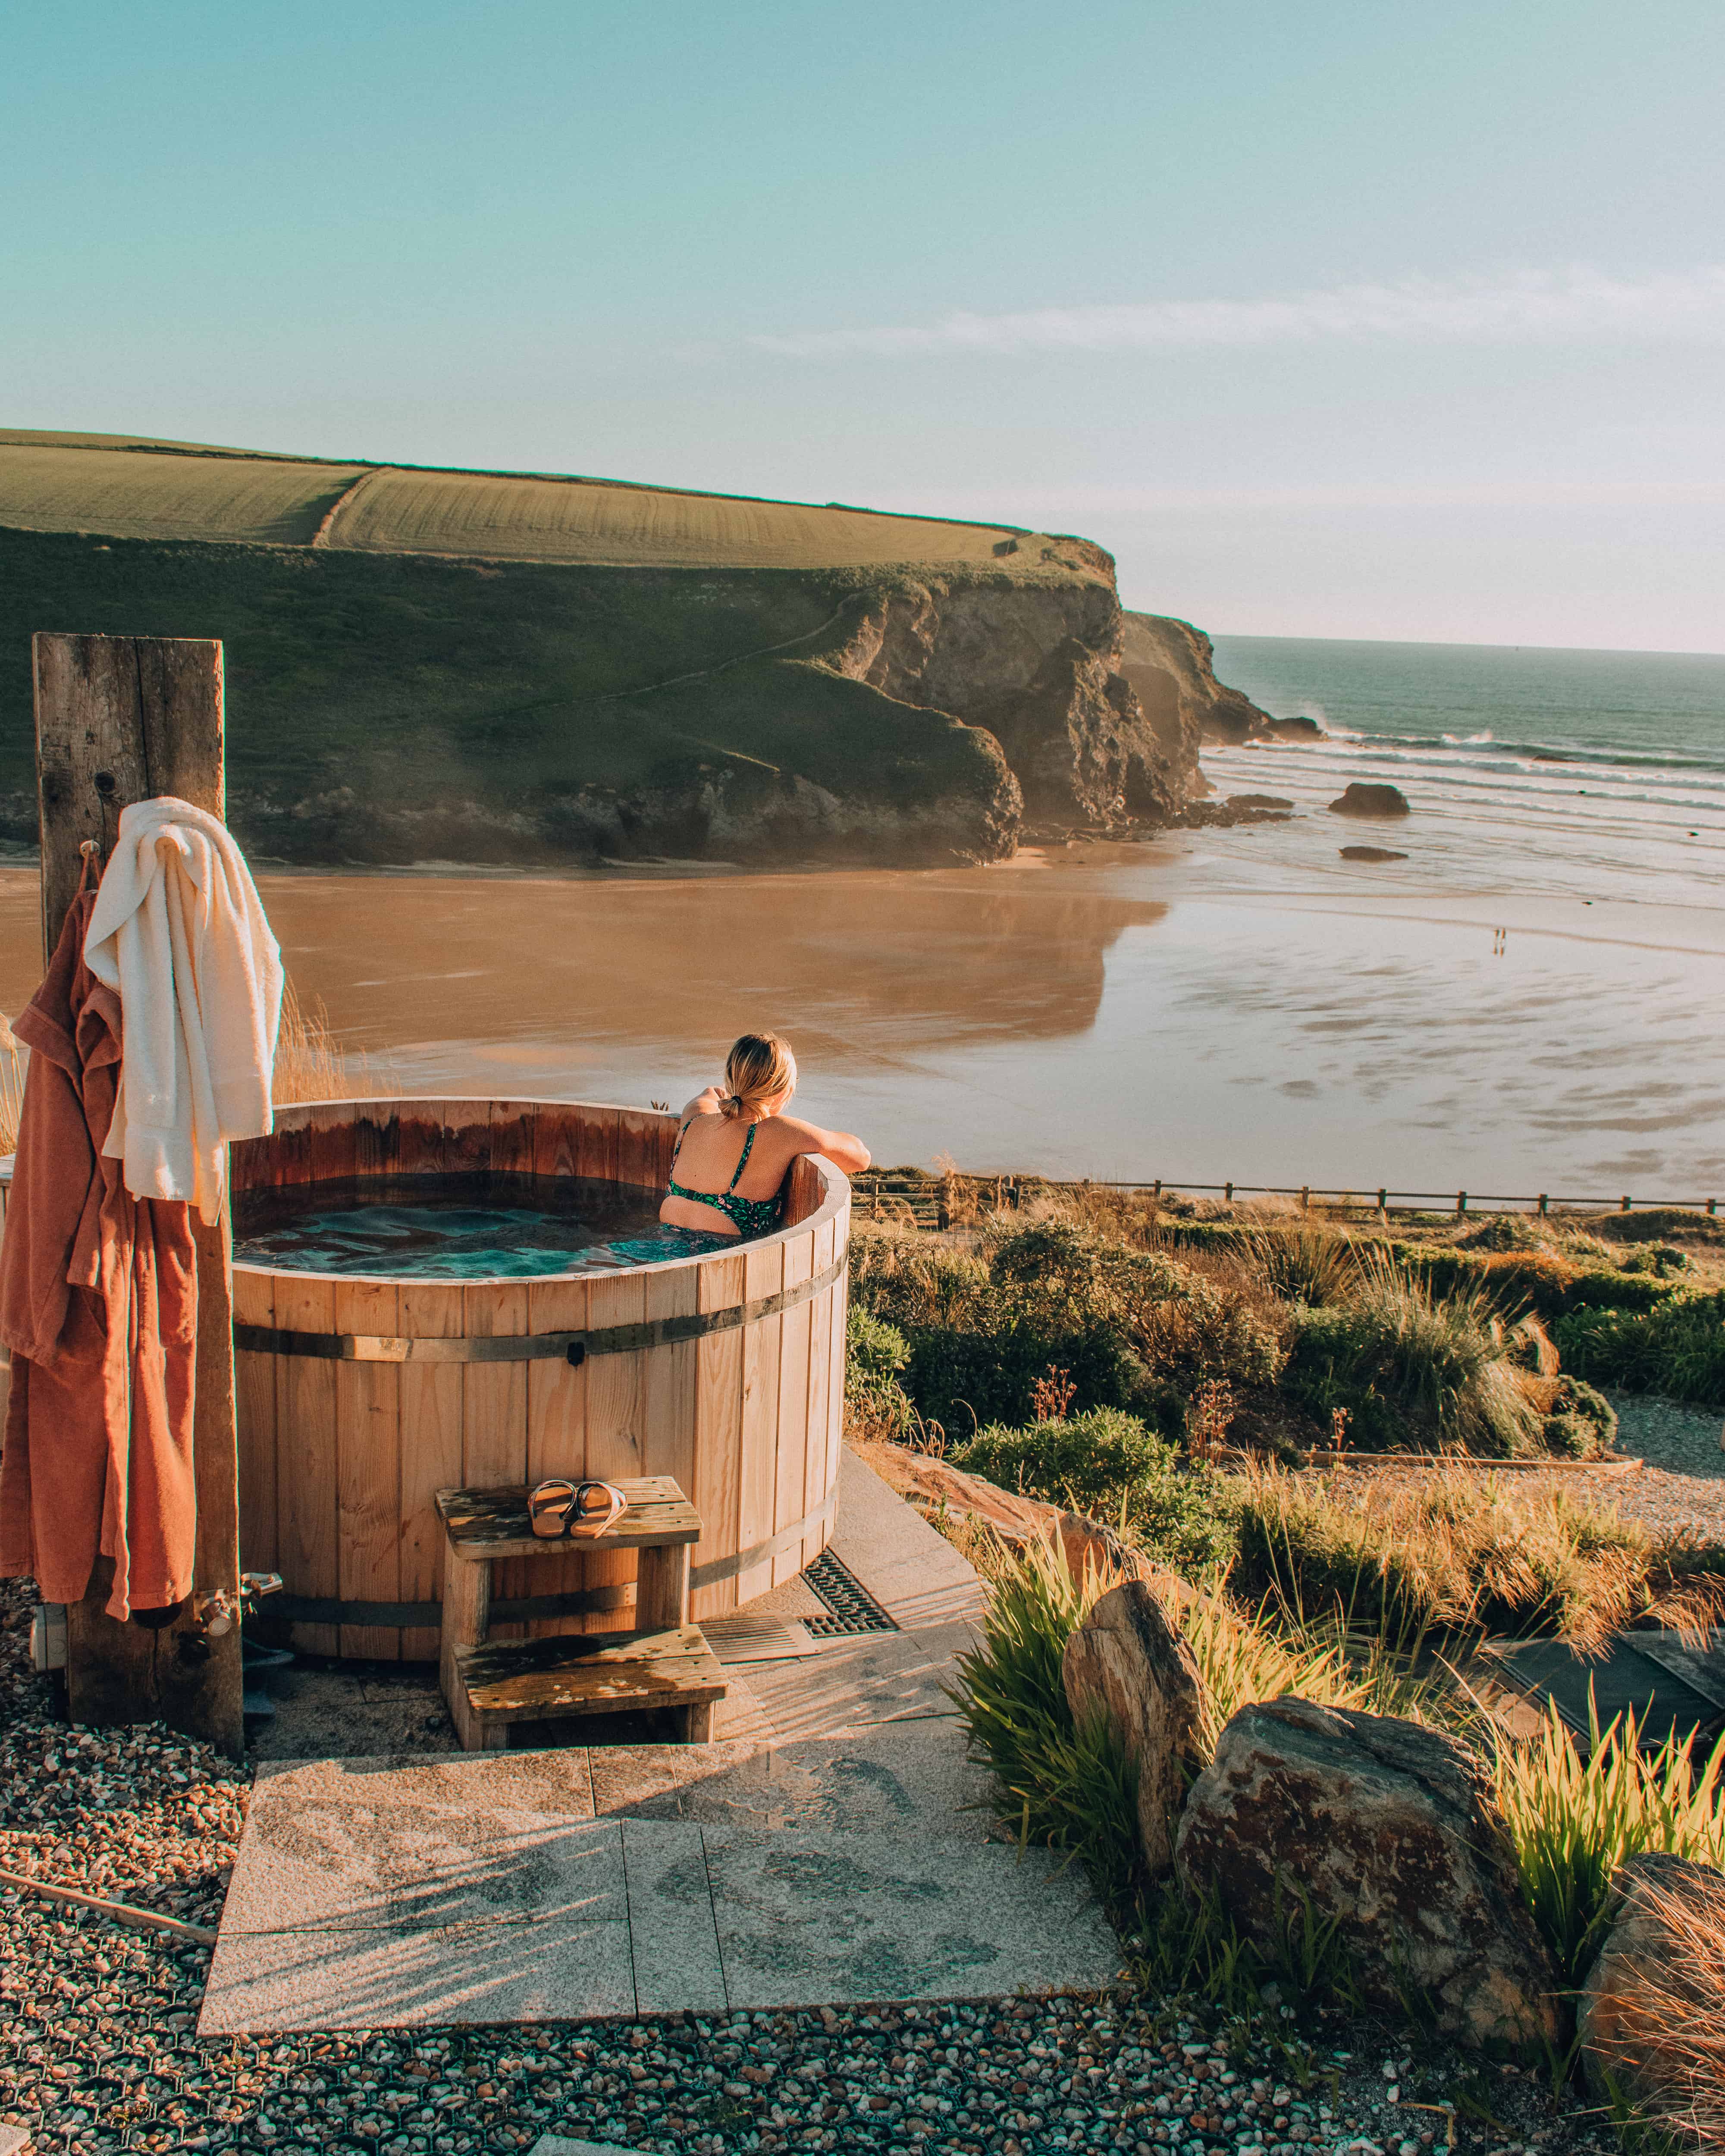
{"points": [[665, 1661]]}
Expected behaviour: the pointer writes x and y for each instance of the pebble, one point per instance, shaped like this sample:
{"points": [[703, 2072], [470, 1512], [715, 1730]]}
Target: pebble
{"points": [[98, 2052]]}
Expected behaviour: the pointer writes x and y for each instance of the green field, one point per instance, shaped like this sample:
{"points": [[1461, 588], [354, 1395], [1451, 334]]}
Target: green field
{"points": [[135, 490], [480, 666]]}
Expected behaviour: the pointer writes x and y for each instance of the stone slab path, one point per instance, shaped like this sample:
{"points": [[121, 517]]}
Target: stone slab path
{"points": [[825, 1851]]}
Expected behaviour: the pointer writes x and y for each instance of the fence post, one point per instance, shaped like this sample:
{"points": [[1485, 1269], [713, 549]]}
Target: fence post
{"points": [[1383, 1201], [1227, 1193], [1460, 1204], [1305, 1197], [121, 719], [1625, 1206], [1544, 1204], [1711, 1202]]}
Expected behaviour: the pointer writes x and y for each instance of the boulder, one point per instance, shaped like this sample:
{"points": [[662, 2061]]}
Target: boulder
{"points": [[1359, 799], [1301, 727], [1371, 853], [1257, 801], [1128, 1659], [1657, 1986], [1388, 1830]]}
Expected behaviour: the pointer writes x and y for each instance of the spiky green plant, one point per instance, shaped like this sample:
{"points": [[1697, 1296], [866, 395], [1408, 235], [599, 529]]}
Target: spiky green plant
{"points": [[1573, 1821]]}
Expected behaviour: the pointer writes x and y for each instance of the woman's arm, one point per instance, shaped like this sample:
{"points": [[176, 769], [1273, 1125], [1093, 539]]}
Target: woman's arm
{"points": [[839, 1147]]}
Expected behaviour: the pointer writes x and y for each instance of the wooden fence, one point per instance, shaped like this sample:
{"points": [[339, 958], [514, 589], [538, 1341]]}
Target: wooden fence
{"points": [[932, 1201]]}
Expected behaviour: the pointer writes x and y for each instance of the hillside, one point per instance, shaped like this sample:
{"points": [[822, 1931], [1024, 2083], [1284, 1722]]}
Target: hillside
{"points": [[493, 667]]}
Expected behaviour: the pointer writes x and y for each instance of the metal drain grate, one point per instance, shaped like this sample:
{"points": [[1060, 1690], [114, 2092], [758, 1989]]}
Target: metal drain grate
{"points": [[854, 1609]]}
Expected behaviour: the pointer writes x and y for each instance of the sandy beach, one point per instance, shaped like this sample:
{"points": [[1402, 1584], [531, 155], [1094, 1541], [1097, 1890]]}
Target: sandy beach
{"points": [[1209, 1006]]}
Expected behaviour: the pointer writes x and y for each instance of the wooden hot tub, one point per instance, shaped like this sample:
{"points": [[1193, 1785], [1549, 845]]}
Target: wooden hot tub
{"points": [[360, 1399]]}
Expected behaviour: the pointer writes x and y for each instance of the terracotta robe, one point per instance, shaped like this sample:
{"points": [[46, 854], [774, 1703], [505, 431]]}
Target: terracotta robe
{"points": [[99, 1310]]}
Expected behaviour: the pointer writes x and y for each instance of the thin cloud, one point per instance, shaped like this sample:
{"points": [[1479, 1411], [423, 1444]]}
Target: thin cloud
{"points": [[1535, 307]]}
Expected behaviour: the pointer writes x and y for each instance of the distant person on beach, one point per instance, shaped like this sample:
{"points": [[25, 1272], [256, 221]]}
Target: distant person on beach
{"points": [[736, 1145]]}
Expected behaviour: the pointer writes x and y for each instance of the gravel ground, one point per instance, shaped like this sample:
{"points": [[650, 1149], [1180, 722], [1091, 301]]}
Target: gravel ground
{"points": [[1683, 1482], [97, 2052]]}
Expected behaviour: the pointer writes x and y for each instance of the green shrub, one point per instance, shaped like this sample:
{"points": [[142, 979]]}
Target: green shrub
{"points": [[1676, 1348], [1132, 1329], [1580, 1421], [1108, 1465], [1542, 1279], [1406, 1364], [1573, 1821], [875, 1352]]}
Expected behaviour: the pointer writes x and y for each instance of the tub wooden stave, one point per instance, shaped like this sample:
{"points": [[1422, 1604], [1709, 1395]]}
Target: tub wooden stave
{"points": [[339, 1460]]}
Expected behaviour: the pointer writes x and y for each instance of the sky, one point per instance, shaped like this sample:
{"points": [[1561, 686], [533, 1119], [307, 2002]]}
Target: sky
{"points": [[1334, 320]]}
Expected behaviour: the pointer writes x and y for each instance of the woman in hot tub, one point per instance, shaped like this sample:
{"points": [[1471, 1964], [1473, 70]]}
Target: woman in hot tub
{"points": [[737, 1144]]}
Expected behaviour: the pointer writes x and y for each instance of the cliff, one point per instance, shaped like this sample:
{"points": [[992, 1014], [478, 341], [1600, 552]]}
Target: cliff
{"points": [[519, 669]]}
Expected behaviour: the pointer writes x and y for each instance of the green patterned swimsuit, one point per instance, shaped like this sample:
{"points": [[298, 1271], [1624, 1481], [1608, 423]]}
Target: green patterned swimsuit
{"points": [[752, 1216]]}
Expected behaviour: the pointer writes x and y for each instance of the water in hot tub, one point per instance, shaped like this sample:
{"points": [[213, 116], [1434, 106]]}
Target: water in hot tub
{"points": [[458, 1227]]}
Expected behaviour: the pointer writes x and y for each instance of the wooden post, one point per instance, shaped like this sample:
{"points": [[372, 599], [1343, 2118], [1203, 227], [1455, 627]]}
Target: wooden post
{"points": [[121, 719], [1460, 1204], [1626, 1205], [1544, 1205]]}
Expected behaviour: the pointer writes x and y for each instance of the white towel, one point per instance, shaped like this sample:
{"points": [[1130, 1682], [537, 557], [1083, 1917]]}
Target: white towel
{"points": [[179, 932]]}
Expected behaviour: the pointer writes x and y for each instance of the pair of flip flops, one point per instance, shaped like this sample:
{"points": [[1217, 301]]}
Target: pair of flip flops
{"points": [[559, 1508]]}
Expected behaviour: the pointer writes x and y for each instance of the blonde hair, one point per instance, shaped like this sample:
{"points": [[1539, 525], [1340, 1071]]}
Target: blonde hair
{"points": [[759, 1068]]}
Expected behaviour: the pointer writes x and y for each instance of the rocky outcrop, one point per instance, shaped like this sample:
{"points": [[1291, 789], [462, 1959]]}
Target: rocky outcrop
{"points": [[1039, 666], [1651, 2013], [1370, 854], [1129, 1664], [1389, 1831], [1172, 667], [1358, 798]]}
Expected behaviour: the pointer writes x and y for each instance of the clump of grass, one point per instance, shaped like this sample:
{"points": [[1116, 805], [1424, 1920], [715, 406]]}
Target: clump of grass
{"points": [[12, 1065], [309, 1065], [1107, 1464], [1303, 1264], [1669, 2042], [1574, 1821], [1058, 1783], [1460, 1550], [1434, 1369]]}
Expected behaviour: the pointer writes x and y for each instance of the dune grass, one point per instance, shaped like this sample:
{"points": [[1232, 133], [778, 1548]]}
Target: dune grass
{"points": [[1459, 1552], [310, 1065]]}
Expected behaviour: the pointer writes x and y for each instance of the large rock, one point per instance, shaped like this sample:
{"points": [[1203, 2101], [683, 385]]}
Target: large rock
{"points": [[1128, 1659], [1390, 1831], [1658, 1985], [1359, 799]]}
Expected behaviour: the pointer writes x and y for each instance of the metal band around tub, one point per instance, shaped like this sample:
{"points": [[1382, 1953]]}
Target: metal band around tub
{"points": [[330, 1609], [529, 1346]]}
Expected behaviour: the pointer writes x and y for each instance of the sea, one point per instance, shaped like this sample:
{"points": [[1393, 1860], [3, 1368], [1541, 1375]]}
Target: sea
{"points": [[1528, 999], [1594, 772]]}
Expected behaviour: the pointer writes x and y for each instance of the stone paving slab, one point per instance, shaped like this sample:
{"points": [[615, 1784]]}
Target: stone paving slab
{"points": [[674, 1938], [810, 1920], [552, 2144], [563, 1966], [391, 1844], [891, 1778]]}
